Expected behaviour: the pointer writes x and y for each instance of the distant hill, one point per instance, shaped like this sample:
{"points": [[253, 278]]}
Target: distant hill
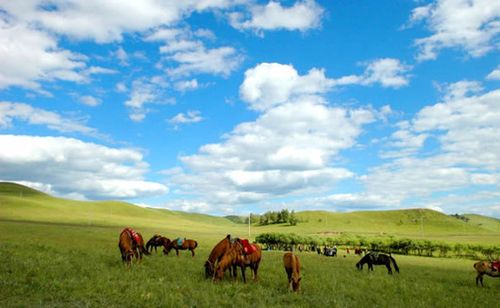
{"points": [[20, 203]]}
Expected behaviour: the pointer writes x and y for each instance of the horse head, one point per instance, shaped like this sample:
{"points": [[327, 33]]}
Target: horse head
{"points": [[296, 281], [209, 269]]}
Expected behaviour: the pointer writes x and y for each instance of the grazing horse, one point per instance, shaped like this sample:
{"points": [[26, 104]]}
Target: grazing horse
{"points": [[157, 241], [131, 244], [236, 256], [485, 267], [292, 268], [375, 258], [186, 245], [216, 255]]}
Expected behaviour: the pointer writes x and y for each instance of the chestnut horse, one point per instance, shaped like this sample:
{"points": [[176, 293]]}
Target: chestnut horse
{"points": [[482, 268], [131, 244], [216, 255], [292, 268], [156, 241], [235, 256], [186, 245]]}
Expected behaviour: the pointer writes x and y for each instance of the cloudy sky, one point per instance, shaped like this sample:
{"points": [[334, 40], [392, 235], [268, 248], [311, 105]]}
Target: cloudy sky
{"points": [[237, 106]]}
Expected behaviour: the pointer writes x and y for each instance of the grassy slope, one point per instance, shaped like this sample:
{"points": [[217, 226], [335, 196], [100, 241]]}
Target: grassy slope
{"points": [[21, 203]]}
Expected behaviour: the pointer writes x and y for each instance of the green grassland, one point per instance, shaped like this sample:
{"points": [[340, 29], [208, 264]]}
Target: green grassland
{"points": [[59, 253]]}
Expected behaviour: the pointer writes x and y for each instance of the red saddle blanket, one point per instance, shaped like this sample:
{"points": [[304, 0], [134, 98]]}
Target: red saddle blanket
{"points": [[495, 265], [248, 248], [133, 235]]}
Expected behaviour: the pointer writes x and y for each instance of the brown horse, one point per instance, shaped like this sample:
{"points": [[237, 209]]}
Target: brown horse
{"points": [[216, 255], [235, 256], [131, 244], [186, 245], [157, 241], [482, 268], [292, 268]]}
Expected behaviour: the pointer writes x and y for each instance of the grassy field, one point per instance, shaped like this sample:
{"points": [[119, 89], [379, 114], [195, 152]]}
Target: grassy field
{"points": [[62, 265], [60, 253]]}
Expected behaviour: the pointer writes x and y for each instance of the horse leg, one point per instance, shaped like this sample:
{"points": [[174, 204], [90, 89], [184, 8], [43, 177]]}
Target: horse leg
{"points": [[192, 252], [255, 269], [243, 274], [389, 269], [177, 251], [479, 279]]}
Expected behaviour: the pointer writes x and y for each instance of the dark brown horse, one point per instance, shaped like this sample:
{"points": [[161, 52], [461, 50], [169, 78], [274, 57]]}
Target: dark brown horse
{"points": [[375, 258], [235, 256], [216, 255], [186, 245], [484, 268], [292, 268], [157, 241], [131, 244]]}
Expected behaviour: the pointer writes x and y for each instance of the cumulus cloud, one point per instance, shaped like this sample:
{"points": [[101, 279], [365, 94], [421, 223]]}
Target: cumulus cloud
{"points": [[470, 25], [270, 84], [289, 150], [68, 165], [10, 112], [301, 16], [464, 128], [29, 56]]}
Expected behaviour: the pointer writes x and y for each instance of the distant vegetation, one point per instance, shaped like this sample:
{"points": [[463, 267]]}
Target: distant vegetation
{"points": [[404, 246], [268, 218], [462, 217]]}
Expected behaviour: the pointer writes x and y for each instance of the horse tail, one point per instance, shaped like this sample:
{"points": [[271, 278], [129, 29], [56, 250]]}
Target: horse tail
{"points": [[195, 244], [394, 263]]}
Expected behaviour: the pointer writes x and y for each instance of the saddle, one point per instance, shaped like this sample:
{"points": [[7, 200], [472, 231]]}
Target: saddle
{"points": [[495, 265], [135, 237], [180, 241], [248, 248]]}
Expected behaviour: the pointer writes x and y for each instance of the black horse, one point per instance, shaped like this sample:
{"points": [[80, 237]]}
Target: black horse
{"points": [[375, 258]]}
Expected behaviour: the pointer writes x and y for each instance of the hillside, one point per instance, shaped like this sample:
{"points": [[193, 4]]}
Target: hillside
{"points": [[20, 203]]}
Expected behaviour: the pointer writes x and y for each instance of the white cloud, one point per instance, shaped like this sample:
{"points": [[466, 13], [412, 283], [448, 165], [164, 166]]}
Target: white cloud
{"points": [[146, 91], [464, 128], [70, 166], [471, 25], [494, 75], [216, 61], [186, 85], [388, 72], [35, 116], [192, 116], [90, 100], [100, 21], [29, 56], [302, 16], [269, 84], [287, 151]]}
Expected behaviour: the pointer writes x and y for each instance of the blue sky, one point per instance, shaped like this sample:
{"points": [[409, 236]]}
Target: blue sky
{"points": [[235, 106]]}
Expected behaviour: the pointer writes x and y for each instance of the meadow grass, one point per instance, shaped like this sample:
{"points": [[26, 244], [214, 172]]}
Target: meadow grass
{"points": [[69, 265]]}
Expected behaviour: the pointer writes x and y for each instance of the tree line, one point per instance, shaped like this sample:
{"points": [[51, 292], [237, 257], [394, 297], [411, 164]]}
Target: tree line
{"points": [[268, 218], [404, 246]]}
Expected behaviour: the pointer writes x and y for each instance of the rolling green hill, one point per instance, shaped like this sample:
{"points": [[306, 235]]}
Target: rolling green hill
{"points": [[20, 203]]}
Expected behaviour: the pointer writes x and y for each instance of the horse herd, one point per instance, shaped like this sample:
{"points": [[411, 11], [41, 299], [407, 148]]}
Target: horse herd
{"points": [[231, 253]]}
